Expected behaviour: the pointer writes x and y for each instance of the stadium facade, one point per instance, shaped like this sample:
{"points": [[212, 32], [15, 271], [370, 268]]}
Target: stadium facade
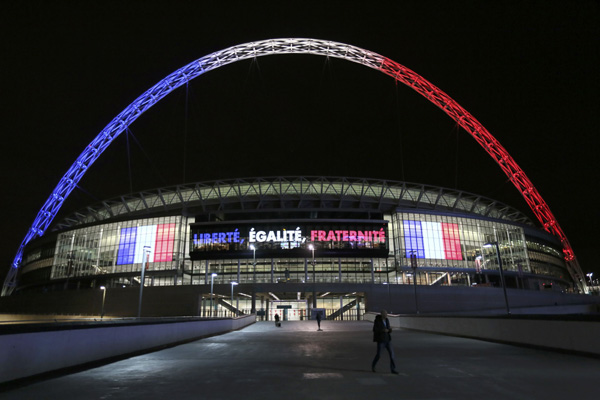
{"points": [[279, 238]]}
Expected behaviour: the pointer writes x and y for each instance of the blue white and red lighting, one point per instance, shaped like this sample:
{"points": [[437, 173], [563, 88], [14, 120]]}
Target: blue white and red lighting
{"points": [[295, 46], [158, 240]]}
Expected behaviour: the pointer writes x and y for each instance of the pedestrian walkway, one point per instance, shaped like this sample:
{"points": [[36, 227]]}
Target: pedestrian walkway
{"points": [[298, 362]]}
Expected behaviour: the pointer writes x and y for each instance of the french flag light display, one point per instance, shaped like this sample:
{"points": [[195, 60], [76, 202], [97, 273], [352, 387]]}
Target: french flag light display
{"points": [[159, 238], [437, 240]]}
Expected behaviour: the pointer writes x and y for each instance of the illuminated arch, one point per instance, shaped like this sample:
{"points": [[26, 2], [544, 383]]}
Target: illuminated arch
{"points": [[295, 46]]}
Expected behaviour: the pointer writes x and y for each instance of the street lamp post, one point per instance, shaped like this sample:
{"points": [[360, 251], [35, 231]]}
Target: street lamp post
{"points": [[490, 244], [313, 262], [232, 285], [413, 264], [253, 262], [103, 288], [253, 307], [212, 279], [144, 266]]}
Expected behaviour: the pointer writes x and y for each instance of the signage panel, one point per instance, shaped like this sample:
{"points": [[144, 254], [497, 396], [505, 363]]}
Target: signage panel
{"points": [[289, 240]]}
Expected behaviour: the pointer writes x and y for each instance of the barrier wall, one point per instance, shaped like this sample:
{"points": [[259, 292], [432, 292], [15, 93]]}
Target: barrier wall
{"points": [[404, 299], [566, 333], [186, 300], [41, 348]]}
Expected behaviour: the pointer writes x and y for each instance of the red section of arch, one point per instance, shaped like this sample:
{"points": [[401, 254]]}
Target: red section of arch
{"points": [[487, 141]]}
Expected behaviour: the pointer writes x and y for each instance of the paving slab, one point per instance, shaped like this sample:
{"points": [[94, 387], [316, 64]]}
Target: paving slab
{"points": [[296, 361]]}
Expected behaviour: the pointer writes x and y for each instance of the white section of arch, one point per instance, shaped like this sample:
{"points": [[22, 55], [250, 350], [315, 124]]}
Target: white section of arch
{"points": [[218, 59]]}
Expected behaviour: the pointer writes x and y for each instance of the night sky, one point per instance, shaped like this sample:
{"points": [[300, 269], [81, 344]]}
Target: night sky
{"points": [[527, 70]]}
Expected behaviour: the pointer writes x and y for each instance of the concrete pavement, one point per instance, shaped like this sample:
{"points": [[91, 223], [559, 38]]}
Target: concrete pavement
{"points": [[298, 362]]}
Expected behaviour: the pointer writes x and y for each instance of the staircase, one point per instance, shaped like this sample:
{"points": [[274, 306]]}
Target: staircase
{"points": [[342, 310], [229, 307]]}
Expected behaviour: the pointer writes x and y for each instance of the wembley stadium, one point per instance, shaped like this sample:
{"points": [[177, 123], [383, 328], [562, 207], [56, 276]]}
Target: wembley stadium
{"points": [[289, 245], [293, 245]]}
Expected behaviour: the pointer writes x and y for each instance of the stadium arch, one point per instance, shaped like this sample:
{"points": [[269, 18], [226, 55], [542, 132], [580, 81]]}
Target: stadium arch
{"points": [[296, 46]]}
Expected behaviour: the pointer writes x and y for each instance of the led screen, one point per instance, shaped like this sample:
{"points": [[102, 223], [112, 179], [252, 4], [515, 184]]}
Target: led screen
{"points": [[287, 238], [158, 238], [435, 240]]}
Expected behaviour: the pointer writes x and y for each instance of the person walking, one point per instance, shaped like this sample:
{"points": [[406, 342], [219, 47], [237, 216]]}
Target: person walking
{"points": [[319, 320], [277, 323], [382, 336]]}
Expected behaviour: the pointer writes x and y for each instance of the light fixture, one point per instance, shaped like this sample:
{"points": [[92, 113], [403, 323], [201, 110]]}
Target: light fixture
{"points": [[212, 278], [103, 288]]}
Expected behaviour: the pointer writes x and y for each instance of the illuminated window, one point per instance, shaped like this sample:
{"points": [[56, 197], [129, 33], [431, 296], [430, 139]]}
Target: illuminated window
{"points": [[165, 237], [127, 246], [451, 241], [413, 239]]}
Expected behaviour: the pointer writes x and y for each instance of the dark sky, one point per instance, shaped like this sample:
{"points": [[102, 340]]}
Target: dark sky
{"points": [[527, 70]]}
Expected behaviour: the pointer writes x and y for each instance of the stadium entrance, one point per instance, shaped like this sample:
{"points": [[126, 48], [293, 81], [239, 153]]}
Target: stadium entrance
{"points": [[289, 306]]}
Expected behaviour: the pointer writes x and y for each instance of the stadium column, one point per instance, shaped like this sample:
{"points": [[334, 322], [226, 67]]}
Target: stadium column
{"points": [[200, 305], [206, 272], [311, 302], [191, 274], [306, 270], [115, 255], [264, 300]]}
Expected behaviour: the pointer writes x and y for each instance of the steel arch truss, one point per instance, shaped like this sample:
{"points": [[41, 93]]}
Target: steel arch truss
{"points": [[295, 46]]}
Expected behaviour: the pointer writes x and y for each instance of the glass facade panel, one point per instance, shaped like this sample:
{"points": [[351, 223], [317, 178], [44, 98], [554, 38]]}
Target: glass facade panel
{"points": [[127, 246], [118, 248], [164, 242], [449, 250]]}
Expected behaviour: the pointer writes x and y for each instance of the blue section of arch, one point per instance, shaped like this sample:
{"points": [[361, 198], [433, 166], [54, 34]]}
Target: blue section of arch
{"points": [[70, 180], [156, 93]]}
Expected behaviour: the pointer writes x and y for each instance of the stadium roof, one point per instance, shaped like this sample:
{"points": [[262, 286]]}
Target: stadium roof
{"points": [[289, 193]]}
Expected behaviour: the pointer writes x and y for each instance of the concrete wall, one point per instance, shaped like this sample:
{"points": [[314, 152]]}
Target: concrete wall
{"points": [[159, 301], [184, 300], [574, 334], [26, 354], [400, 299]]}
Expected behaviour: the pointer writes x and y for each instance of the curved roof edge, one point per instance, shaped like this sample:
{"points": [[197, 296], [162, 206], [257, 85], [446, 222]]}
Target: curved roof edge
{"points": [[296, 192]]}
